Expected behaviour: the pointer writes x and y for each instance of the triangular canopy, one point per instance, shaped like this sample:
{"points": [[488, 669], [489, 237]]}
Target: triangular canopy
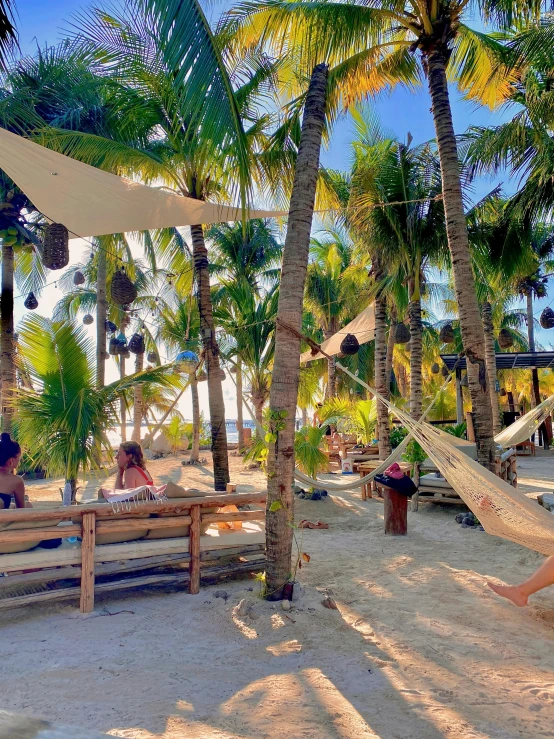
{"points": [[363, 328], [91, 202]]}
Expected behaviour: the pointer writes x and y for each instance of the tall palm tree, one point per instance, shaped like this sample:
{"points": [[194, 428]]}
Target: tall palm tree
{"points": [[333, 285], [372, 46], [8, 32]]}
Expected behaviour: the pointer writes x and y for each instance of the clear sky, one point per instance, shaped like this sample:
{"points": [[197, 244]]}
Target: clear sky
{"points": [[42, 21]]}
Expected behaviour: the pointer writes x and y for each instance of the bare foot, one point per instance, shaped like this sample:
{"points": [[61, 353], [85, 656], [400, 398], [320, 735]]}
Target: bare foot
{"points": [[511, 592]]}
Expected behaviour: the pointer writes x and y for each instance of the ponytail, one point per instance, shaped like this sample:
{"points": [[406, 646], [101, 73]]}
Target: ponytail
{"points": [[8, 448]]}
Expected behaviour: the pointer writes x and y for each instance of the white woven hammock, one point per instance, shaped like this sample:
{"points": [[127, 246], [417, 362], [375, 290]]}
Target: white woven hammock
{"points": [[525, 427]]}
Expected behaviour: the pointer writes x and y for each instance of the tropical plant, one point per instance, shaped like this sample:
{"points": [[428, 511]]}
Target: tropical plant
{"points": [[175, 431], [357, 417], [308, 443], [63, 423]]}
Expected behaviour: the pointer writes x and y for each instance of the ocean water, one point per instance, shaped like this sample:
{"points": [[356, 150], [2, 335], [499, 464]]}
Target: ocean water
{"points": [[114, 435]]}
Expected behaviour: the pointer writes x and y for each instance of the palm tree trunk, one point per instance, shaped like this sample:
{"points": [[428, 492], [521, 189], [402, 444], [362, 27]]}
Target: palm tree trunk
{"points": [[152, 432], [240, 419], [490, 361], [390, 354], [534, 371], [195, 451], [383, 428], [101, 315], [211, 351], [402, 380], [468, 309], [7, 348], [286, 366], [304, 417], [416, 351], [122, 405], [331, 369], [137, 401]]}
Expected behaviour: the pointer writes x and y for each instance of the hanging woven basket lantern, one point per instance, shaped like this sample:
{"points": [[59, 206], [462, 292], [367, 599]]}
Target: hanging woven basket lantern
{"points": [[186, 361], [55, 248], [31, 302], [446, 334], [125, 353], [505, 339], [350, 345], [78, 278], [136, 344], [444, 371], [152, 357], [435, 369], [88, 319], [547, 318], [110, 327], [201, 376], [122, 288], [503, 392], [114, 347], [401, 334]]}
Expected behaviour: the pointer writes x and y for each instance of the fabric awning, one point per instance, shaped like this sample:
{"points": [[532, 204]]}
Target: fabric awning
{"points": [[363, 328], [91, 202]]}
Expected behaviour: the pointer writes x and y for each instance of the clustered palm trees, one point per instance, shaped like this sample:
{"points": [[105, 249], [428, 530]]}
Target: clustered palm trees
{"points": [[147, 89]]}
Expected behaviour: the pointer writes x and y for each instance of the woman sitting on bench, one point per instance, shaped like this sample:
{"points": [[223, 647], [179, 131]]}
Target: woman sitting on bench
{"points": [[132, 472], [10, 483]]}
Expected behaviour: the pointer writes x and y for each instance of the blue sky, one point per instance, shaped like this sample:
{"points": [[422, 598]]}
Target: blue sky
{"points": [[42, 21]]}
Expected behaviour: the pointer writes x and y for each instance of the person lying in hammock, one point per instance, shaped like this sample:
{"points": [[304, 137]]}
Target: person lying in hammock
{"points": [[519, 594], [132, 472]]}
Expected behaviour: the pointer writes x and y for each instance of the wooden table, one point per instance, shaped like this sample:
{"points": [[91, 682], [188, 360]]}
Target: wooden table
{"points": [[365, 467]]}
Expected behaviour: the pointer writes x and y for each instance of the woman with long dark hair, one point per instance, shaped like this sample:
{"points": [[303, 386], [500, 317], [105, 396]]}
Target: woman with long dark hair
{"points": [[132, 472], [11, 485]]}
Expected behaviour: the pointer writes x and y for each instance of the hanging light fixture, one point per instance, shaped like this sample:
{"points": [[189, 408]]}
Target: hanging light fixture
{"points": [[31, 302], [350, 345], [88, 319], [186, 361], [446, 334], [136, 344], [78, 278], [110, 327], [55, 248], [435, 369], [401, 334], [123, 290]]}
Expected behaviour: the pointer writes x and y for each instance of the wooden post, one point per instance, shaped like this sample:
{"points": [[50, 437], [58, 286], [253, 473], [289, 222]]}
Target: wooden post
{"points": [[396, 512], [459, 397], [194, 550], [231, 487], [87, 562]]}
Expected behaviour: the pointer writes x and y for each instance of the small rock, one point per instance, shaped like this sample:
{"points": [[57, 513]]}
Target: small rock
{"points": [[285, 605], [297, 592], [253, 613], [329, 603], [242, 608], [221, 594]]}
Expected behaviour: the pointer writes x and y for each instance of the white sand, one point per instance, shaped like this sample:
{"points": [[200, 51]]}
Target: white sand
{"points": [[419, 647]]}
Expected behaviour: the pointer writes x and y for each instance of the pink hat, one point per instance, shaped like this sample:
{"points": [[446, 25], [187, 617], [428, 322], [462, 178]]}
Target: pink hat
{"points": [[394, 471]]}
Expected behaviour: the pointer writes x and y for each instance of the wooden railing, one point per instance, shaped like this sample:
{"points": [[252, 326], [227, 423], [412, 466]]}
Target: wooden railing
{"points": [[98, 519]]}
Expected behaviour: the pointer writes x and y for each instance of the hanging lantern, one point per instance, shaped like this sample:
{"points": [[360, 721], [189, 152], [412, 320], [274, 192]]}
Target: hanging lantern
{"points": [[125, 353], [401, 334], [444, 371], [201, 376], [186, 361], [505, 339], [435, 369], [503, 392], [464, 382], [55, 248], [110, 327], [547, 318], [446, 334], [136, 344], [122, 288], [540, 290], [152, 357], [88, 319], [78, 278], [31, 302], [350, 345], [114, 347]]}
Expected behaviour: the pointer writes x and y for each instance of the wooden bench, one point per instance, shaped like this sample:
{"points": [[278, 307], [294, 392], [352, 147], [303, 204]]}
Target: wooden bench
{"points": [[526, 448], [80, 571]]}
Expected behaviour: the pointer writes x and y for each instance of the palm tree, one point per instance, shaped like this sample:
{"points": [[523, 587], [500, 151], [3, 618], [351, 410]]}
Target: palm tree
{"points": [[64, 422], [8, 32], [370, 47], [408, 231], [333, 285], [286, 365]]}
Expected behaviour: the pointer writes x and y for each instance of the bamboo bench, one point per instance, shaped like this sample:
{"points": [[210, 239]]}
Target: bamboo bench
{"points": [[82, 571]]}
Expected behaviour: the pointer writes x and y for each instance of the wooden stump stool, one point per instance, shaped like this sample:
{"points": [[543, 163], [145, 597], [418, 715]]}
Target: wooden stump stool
{"points": [[396, 512]]}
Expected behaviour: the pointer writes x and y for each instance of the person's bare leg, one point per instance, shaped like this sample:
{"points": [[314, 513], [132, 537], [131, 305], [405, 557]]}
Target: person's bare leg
{"points": [[519, 594]]}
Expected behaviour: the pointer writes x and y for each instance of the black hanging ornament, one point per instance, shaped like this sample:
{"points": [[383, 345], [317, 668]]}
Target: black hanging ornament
{"points": [[444, 371], [505, 339], [547, 318], [31, 302], [152, 358], [123, 291], [88, 319], [435, 369], [110, 327], [114, 346], [55, 248], [446, 334], [402, 334], [136, 344], [350, 345]]}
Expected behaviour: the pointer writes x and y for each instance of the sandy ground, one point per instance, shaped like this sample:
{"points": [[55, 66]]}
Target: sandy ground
{"points": [[418, 648]]}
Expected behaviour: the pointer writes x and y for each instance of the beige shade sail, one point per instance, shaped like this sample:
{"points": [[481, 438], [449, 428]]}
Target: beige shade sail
{"points": [[363, 328], [91, 202]]}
